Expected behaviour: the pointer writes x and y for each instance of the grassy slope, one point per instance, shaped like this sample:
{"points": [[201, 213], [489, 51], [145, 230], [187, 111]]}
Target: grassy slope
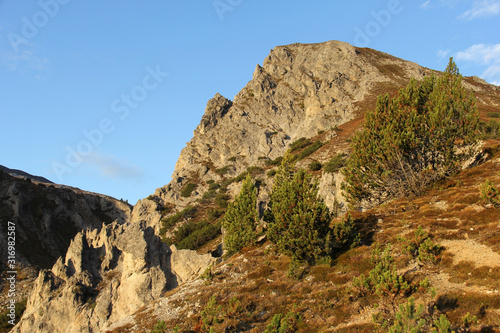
{"points": [[466, 278]]}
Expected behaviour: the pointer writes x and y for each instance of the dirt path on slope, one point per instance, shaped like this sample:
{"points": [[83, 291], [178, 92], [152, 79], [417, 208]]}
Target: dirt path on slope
{"points": [[470, 250]]}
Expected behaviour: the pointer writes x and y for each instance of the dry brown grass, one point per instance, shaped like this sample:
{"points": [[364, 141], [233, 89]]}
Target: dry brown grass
{"points": [[484, 307], [450, 210]]}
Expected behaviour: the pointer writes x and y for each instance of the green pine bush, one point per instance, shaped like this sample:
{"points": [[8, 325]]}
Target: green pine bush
{"points": [[421, 247], [298, 220], [287, 323], [300, 143], [489, 193], [335, 163], [344, 234], [309, 150], [383, 279], [412, 140], [171, 221], [188, 189], [241, 219], [315, 166]]}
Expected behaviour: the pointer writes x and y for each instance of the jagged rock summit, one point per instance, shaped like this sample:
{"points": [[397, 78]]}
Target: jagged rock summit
{"points": [[299, 91], [107, 274]]}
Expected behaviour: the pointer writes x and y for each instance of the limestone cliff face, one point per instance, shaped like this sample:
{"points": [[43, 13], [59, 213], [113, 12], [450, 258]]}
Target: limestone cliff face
{"points": [[48, 216], [104, 262], [106, 275], [301, 90]]}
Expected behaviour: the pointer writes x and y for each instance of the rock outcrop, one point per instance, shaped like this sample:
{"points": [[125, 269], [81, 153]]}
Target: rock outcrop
{"points": [[48, 216], [107, 274], [299, 91]]}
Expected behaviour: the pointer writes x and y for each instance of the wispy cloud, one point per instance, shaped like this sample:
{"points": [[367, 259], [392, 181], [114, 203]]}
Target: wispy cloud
{"points": [[482, 8], [486, 55], [427, 4], [443, 53], [23, 61], [113, 167]]}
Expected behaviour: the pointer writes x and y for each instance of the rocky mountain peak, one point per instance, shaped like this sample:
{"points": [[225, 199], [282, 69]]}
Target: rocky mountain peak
{"points": [[301, 90], [216, 108]]}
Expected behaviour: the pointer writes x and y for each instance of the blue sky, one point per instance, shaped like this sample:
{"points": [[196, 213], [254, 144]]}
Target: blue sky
{"points": [[103, 95]]}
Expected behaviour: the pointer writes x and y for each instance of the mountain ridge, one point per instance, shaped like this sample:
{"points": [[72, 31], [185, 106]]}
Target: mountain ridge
{"points": [[20, 173], [319, 92]]}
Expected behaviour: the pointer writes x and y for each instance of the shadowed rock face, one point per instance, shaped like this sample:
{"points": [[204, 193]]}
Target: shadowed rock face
{"points": [[20, 173], [107, 274], [48, 216]]}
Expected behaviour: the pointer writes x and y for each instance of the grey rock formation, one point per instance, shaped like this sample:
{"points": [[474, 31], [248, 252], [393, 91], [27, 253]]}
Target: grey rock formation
{"points": [[187, 264], [107, 274], [25, 175], [300, 90], [48, 216]]}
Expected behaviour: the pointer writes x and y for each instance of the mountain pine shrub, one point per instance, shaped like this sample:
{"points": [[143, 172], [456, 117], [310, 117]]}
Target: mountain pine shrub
{"points": [[410, 141], [383, 279], [222, 199], [241, 219], [276, 161], [309, 150], [335, 163], [211, 315], [315, 166], [289, 322], [188, 189], [421, 247], [298, 220], [413, 319], [344, 234], [489, 130], [300, 143], [192, 235], [171, 221], [160, 327], [489, 193]]}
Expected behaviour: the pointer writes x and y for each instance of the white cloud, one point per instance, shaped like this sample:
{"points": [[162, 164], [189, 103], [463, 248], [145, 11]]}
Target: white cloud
{"points": [[481, 53], [493, 72], [482, 8], [113, 167], [442, 53], [23, 61], [27, 59], [485, 55], [426, 4], [438, 3]]}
